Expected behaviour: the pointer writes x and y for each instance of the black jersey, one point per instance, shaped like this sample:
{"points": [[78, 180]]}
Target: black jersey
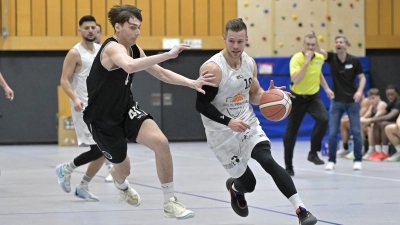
{"points": [[109, 91]]}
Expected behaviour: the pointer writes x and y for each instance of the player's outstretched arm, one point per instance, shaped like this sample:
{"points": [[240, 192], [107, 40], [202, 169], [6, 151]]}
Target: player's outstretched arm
{"points": [[115, 53], [171, 77]]}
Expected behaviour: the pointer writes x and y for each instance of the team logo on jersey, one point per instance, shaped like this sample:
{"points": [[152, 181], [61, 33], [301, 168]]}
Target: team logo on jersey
{"points": [[234, 161], [240, 76], [107, 155], [235, 105]]}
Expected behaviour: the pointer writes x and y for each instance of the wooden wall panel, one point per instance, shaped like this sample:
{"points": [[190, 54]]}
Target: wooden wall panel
{"points": [[11, 17], [157, 17], [372, 17], [385, 20], [53, 18], [187, 19], [69, 25], [99, 11], [216, 21], [396, 17], [83, 9], [108, 30], [39, 18], [230, 11], [201, 18], [128, 2], [172, 18], [144, 5], [24, 18]]}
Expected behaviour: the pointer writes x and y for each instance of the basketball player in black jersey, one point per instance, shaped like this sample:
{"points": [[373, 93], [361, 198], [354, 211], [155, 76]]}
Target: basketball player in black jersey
{"points": [[114, 117]]}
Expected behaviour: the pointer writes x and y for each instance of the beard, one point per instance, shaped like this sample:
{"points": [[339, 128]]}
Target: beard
{"points": [[89, 39]]}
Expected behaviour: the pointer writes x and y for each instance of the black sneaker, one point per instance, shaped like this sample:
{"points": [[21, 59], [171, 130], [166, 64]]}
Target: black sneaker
{"points": [[290, 171], [238, 202], [305, 217], [313, 157]]}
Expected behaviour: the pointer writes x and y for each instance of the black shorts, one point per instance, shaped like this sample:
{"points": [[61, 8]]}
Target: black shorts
{"points": [[112, 140]]}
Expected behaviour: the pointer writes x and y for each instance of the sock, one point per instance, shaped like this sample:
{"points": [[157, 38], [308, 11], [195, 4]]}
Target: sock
{"points": [[370, 149], [168, 191], [378, 148], [346, 146], [296, 201], [397, 148], [70, 166], [85, 181], [108, 164], [122, 186], [385, 149]]}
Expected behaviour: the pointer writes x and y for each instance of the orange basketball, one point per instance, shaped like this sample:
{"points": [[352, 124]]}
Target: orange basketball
{"points": [[275, 105]]}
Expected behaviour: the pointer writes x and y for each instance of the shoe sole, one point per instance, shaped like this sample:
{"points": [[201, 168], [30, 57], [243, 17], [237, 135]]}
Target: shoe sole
{"points": [[187, 216], [85, 198], [58, 179]]}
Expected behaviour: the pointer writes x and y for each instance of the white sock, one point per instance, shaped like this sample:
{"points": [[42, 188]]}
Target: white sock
{"points": [[371, 148], [70, 166], [168, 191], [378, 148], [108, 164], [296, 201], [85, 181], [122, 186], [385, 149], [397, 148]]}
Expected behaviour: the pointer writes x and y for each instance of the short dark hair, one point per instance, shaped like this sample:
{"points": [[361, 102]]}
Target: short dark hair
{"points": [[122, 13], [373, 91], [344, 38], [391, 86], [87, 18], [99, 26], [235, 25]]}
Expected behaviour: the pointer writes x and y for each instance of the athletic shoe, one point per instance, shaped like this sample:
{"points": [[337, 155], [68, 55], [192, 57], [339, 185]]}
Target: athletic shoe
{"points": [[394, 158], [381, 156], [357, 165], [129, 195], [305, 217], [342, 152], [84, 193], [64, 178], [175, 209], [290, 171], [366, 155], [238, 201], [313, 157], [109, 178], [330, 166], [373, 155], [350, 156]]}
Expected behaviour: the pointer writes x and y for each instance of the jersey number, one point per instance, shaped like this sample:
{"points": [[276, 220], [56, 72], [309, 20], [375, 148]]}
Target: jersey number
{"points": [[134, 112], [248, 82]]}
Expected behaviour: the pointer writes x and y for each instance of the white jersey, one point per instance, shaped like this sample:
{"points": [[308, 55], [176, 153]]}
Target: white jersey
{"points": [[78, 84], [233, 149]]}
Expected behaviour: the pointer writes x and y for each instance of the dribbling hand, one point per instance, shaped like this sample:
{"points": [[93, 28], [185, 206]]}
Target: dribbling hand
{"points": [[272, 86]]}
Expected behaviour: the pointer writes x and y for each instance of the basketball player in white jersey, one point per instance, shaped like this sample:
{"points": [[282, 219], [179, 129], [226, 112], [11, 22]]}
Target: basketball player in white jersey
{"points": [[76, 68], [232, 129]]}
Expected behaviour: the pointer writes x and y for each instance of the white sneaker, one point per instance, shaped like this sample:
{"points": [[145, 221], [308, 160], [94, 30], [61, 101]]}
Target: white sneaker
{"points": [[64, 178], [330, 166], [350, 156], [366, 155], [109, 178], [342, 152], [174, 209], [83, 192], [394, 158], [357, 166], [129, 195]]}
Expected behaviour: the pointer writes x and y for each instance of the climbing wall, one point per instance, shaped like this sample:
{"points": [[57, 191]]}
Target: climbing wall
{"points": [[278, 27]]}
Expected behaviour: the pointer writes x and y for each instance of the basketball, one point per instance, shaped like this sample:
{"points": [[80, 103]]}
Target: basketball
{"points": [[275, 105]]}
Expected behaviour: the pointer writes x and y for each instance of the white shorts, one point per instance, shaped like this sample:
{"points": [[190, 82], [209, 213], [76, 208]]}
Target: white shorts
{"points": [[233, 149], [81, 129]]}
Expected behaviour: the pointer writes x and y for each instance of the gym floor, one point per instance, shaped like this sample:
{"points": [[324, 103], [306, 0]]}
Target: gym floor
{"points": [[30, 194]]}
